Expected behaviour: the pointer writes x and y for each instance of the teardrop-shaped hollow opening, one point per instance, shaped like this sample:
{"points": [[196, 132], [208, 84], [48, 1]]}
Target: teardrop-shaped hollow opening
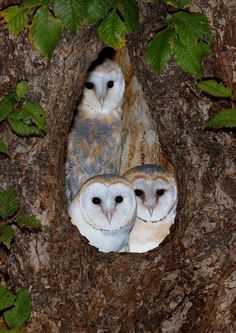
{"points": [[121, 191]]}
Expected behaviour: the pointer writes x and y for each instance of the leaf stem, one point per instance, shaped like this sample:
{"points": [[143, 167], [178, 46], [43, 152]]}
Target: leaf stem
{"points": [[9, 221]]}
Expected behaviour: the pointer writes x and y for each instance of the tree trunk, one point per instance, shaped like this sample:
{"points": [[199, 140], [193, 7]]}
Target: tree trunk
{"points": [[188, 284]]}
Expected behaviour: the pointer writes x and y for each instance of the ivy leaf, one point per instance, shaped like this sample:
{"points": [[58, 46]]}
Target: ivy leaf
{"points": [[224, 118], [9, 203], [21, 89], [97, 10], [3, 148], [7, 299], [35, 3], [16, 19], [25, 220], [7, 105], [159, 49], [112, 31], [179, 3], [30, 120], [71, 12], [7, 233], [45, 31], [190, 27], [21, 311], [188, 58], [214, 88], [130, 11]]}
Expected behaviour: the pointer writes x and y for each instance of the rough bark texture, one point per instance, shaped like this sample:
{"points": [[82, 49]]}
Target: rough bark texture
{"points": [[188, 284]]}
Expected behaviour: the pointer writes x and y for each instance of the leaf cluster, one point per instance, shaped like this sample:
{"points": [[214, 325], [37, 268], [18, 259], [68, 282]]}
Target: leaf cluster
{"points": [[10, 213], [116, 19], [24, 119], [186, 37], [16, 309], [225, 117]]}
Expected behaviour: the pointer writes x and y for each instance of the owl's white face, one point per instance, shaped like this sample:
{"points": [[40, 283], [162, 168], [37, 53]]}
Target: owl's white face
{"points": [[104, 87], [108, 207], [155, 198]]}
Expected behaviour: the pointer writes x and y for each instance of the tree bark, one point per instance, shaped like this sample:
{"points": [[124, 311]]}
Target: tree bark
{"points": [[188, 284]]}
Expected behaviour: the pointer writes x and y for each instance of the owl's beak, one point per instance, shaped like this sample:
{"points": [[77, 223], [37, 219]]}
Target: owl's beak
{"points": [[101, 100], [108, 216], [150, 210], [101, 93]]}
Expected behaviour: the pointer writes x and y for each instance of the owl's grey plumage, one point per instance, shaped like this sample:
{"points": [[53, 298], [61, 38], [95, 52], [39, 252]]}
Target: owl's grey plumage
{"points": [[156, 195], [104, 211], [94, 142]]}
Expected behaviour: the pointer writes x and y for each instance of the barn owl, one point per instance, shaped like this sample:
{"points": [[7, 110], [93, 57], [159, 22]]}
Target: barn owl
{"points": [[94, 142], [104, 211], [156, 195]]}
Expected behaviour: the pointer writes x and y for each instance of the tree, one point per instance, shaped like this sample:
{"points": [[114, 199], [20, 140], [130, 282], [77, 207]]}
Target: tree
{"points": [[188, 284]]}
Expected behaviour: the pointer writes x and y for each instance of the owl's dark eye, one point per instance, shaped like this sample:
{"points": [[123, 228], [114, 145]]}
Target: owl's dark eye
{"points": [[96, 201], [110, 84], [89, 85], [160, 192], [138, 192], [119, 199]]}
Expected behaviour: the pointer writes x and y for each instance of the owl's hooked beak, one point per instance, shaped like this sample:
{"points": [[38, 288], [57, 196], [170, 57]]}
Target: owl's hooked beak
{"points": [[101, 93], [150, 210], [101, 100], [109, 216]]}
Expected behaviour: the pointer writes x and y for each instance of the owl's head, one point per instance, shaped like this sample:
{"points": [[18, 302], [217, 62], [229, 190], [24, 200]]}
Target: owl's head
{"points": [[107, 202], [155, 191], [104, 87]]}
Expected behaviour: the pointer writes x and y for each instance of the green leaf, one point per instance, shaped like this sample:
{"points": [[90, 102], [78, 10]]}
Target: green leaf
{"points": [[20, 313], [188, 58], [21, 89], [16, 19], [97, 10], [45, 31], [214, 88], [112, 31], [9, 203], [71, 12], [25, 220], [7, 233], [35, 3], [159, 49], [190, 27], [130, 11], [7, 105], [224, 118], [179, 3], [3, 148], [7, 299], [205, 48], [30, 120]]}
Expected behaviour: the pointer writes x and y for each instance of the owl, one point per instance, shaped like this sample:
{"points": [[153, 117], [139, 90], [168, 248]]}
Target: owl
{"points": [[104, 211], [94, 142], [156, 194]]}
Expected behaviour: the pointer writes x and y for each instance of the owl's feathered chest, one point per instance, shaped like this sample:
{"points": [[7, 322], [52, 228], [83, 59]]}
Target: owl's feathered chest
{"points": [[94, 130]]}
